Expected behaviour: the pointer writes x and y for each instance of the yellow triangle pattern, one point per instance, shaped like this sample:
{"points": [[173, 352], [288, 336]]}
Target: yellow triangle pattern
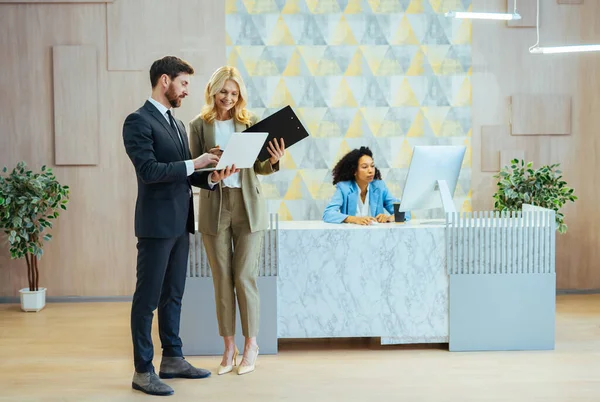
{"points": [[250, 56], [415, 7], [390, 66], [287, 162], [466, 206], [327, 67], [436, 55], [374, 55], [291, 7], [405, 96], [451, 66], [294, 191], [343, 34], [375, 118], [265, 68], [343, 150], [464, 34], [468, 159], [231, 7], [294, 66], [355, 68], [326, 191], [261, 6], [313, 182], [234, 58], [284, 212], [417, 128], [355, 128], [390, 128], [311, 118], [463, 97], [343, 96], [417, 64], [228, 41], [281, 35], [281, 96], [328, 129], [270, 191], [402, 160], [405, 34], [443, 6], [436, 117], [385, 6], [323, 6], [354, 7], [312, 55], [451, 128]]}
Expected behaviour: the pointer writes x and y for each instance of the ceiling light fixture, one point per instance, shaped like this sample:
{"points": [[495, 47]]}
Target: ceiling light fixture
{"points": [[537, 49], [485, 16]]}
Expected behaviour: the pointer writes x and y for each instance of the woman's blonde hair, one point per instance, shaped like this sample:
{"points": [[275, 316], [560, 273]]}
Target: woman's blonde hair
{"points": [[215, 85]]}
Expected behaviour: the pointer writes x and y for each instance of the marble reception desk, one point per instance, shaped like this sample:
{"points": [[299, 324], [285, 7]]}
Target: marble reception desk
{"points": [[385, 280]]}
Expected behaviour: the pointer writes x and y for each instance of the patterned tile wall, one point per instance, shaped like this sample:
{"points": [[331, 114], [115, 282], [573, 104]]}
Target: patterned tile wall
{"points": [[388, 74]]}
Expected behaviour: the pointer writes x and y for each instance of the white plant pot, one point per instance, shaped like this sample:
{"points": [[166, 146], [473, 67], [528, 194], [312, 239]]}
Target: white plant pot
{"points": [[33, 301]]}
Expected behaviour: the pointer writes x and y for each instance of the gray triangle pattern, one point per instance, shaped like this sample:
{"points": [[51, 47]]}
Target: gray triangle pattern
{"points": [[249, 34], [313, 159], [373, 34], [435, 33], [436, 96]]}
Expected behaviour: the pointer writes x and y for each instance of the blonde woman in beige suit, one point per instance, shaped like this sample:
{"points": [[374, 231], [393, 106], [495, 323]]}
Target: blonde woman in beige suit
{"points": [[235, 213]]}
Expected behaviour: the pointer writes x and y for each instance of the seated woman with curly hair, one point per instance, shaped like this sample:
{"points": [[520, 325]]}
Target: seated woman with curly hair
{"points": [[361, 197]]}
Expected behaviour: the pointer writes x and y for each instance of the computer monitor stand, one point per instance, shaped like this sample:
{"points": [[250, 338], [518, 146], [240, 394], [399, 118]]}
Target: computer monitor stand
{"points": [[447, 202]]}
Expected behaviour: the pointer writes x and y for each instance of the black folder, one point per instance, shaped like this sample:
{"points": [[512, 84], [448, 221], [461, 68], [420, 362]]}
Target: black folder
{"points": [[282, 124]]}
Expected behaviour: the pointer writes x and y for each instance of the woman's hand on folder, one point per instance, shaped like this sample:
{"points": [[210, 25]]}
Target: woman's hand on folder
{"points": [[277, 150], [219, 175]]}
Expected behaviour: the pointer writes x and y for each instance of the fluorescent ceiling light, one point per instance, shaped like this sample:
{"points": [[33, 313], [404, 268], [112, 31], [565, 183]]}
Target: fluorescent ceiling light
{"points": [[537, 49], [564, 49], [484, 16]]}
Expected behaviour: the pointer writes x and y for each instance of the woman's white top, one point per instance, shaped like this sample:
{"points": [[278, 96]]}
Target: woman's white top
{"points": [[223, 131], [362, 209]]}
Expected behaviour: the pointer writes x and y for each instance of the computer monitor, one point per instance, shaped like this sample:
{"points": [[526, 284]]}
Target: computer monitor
{"points": [[432, 177]]}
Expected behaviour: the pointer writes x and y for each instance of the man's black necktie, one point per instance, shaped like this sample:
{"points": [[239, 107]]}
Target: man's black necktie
{"points": [[174, 126]]}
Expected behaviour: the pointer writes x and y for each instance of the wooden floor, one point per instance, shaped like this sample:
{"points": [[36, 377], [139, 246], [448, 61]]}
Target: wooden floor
{"points": [[82, 352]]}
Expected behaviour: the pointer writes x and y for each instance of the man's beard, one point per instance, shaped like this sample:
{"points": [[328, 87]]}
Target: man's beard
{"points": [[172, 97]]}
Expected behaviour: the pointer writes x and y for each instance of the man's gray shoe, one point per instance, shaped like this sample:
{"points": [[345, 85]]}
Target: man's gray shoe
{"points": [[150, 384], [178, 367]]}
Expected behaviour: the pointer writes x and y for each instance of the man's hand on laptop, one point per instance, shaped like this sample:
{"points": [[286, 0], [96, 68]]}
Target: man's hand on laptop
{"points": [[216, 151], [205, 160], [219, 175]]}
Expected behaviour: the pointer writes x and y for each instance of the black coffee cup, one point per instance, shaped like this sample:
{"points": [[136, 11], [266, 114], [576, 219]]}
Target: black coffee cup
{"points": [[398, 216]]}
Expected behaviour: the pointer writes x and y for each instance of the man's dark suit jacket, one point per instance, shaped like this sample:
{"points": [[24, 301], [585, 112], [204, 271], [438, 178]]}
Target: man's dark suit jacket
{"points": [[164, 206]]}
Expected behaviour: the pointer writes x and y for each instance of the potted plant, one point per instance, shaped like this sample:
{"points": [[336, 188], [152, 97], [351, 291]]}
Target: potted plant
{"points": [[520, 184], [29, 202]]}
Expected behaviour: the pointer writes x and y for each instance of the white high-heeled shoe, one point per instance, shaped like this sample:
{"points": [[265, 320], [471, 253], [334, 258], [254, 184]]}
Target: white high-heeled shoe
{"points": [[227, 369], [245, 369]]}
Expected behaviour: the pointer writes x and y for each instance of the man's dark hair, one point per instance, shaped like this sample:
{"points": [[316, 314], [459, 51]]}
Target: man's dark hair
{"points": [[345, 169], [170, 65]]}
